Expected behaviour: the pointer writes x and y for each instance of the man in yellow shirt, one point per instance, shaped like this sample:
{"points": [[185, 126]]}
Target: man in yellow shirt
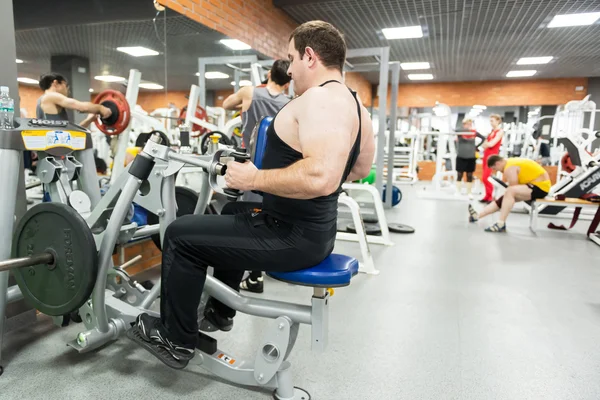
{"points": [[526, 179]]}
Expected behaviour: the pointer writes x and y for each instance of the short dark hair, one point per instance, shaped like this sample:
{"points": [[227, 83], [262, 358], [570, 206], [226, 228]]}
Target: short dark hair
{"points": [[279, 73], [493, 160], [47, 79], [324, 39]]}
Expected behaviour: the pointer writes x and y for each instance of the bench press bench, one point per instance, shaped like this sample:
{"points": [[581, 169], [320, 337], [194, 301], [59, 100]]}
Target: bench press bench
{"points": [[566, 203]]}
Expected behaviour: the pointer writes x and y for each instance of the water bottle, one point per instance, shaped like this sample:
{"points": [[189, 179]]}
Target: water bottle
{"points": [[7, 109]]}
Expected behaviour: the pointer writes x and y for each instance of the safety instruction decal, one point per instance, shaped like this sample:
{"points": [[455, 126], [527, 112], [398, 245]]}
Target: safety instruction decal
{"points": [[44, 140], [226, 359]]}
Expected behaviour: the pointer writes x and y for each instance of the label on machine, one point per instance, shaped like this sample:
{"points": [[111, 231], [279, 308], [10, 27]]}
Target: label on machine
{"points": [[44, 140]]}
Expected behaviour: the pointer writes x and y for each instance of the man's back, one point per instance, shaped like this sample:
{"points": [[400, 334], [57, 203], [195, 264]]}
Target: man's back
{"points": [[529, 172], [286, 145]]}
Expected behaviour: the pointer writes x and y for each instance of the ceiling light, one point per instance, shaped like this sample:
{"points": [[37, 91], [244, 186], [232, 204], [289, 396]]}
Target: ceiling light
{"points": [[214, 75], [414, 65], [518, 74], [19, 61], [137, 51], [478, 106], [109, 78], [243, 83], [420, 77], [582, 19], [28, 81], [151, 86], [235, 44], [534, 60], [91, 90], [406, 32]]}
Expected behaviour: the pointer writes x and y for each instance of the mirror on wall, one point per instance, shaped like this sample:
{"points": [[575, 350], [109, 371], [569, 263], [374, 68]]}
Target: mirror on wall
{"points": [[98, 51]]}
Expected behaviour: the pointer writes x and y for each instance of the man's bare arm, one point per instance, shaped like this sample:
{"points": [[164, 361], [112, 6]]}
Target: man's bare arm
{"points": [[72, 104], [363, 165], [512, 175], [234, 101], [323, 130]]}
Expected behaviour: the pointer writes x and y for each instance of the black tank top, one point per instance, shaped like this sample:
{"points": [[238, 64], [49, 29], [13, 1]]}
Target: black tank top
{"points": [[316, 214]]}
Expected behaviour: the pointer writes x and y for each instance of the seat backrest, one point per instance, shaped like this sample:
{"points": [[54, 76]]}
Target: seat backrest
{"points": [[258, 142]]}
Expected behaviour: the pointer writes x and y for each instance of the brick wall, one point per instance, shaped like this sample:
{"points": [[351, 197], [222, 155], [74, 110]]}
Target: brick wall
{"points": [[29, 96], [255, 22], [492, 93], [357, 82], [151, 101]]}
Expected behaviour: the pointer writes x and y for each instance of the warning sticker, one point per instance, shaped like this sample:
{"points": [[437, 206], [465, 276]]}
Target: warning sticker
{"points": [[44, 140], [226, 359]]}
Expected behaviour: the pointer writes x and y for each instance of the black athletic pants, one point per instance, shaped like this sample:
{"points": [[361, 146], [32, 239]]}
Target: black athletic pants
{"points": [[231, 244]]}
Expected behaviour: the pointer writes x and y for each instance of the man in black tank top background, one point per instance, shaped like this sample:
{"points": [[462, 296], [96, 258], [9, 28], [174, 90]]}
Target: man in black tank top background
{"points": [[53, 103], [319, 140]]}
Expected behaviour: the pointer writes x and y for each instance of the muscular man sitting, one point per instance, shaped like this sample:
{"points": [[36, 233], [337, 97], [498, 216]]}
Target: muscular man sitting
{"points": [[319, 140], [53, 104], [527, 180]]}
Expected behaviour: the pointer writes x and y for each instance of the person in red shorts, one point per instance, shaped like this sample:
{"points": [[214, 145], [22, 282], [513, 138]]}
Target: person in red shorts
{"points": [[491, 147]]}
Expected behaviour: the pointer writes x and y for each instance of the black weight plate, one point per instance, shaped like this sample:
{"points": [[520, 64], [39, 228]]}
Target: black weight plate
{"points": [[186, 200], [370, 220], [400, 228], [64, 287], [370, 229]]}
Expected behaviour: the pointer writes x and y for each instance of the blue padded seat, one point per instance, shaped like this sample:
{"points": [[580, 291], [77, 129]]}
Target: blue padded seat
{"points": [[334, 271], [260, 141]]}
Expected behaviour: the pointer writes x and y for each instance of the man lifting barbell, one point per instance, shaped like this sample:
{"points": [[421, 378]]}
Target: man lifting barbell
{"points": [[54, 103], [319, 140]]}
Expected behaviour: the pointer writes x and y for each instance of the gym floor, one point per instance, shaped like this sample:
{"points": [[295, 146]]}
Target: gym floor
{"points": [[455, 314]]}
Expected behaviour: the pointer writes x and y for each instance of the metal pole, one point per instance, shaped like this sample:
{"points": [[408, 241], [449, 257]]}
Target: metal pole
{"points": [[133, 85], [395, 68], [383, 86], [236, 80], [43, 258], [201, 85], [10, 162]]}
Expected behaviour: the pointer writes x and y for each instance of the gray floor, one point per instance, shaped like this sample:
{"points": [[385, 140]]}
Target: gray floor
{"points": [[455, 314]]}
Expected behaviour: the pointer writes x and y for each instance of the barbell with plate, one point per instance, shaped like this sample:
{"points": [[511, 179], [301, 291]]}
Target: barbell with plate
{"points": [[121, 113], [55, 261]]}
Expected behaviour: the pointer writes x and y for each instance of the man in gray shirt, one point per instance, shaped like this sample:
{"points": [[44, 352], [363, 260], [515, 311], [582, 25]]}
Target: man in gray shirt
{"points": [[261, 101], [465, 155]]}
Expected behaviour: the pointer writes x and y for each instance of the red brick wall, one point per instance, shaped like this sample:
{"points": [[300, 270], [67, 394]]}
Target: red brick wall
{"points": [[358, 83], [491, 93], [29, 96], [151, 101], [257, 23]]}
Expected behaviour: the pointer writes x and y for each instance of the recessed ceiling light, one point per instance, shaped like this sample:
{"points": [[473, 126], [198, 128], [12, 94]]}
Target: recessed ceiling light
{"points": [[243, 83], [19, 61], [137, 51], [109, 78], [582, 19], [518, 74], [151, 86], [420, 77], [214, 75], [478, 106], [235, 44], [28, 81], [414, 65], [406, 32], [534, 60]]}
